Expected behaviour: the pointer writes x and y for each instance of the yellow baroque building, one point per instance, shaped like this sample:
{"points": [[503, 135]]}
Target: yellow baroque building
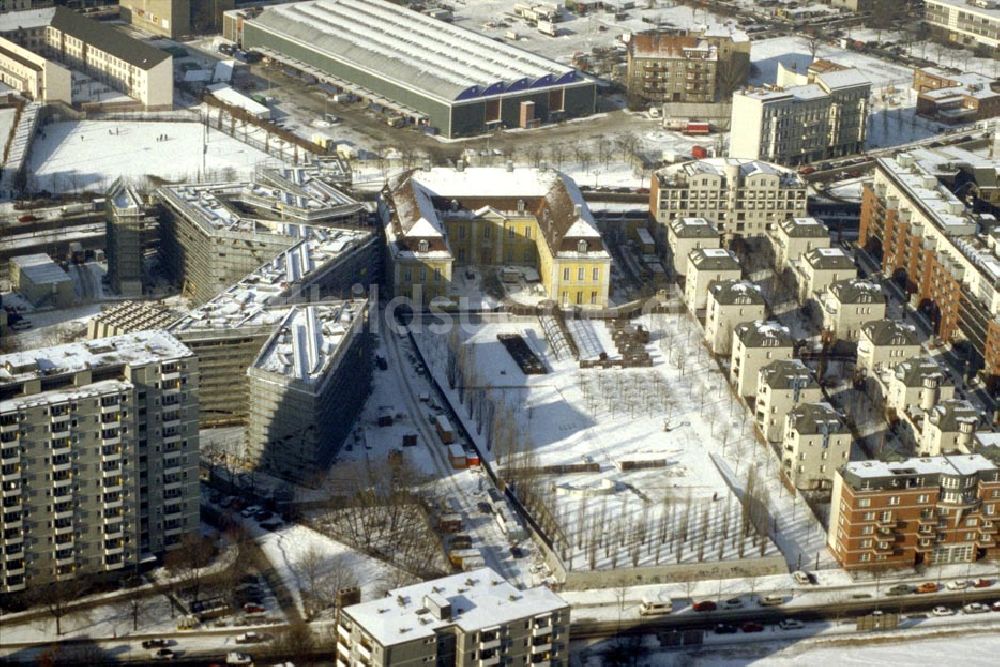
{"points": [[439, 219]]}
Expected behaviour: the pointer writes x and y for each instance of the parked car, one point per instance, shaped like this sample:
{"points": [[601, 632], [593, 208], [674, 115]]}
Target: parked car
{"points": [[982, 583], [271, 525], [250, 511], [996, 606], [752, 626], [791, 624], [801, 577], [249, 637], [726, 629], [975, 608], [772, 600], [899, 589], [942, 611], [927, 587], [704, 605], [262, 515], [236, 658], [957, 585], [732, 603], [252, 608], [163, 654], [155, 643]]}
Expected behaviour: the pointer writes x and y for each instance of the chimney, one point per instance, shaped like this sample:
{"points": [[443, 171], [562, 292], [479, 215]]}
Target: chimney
{"points": [[577, 210], [460, 165], [510, 165]]}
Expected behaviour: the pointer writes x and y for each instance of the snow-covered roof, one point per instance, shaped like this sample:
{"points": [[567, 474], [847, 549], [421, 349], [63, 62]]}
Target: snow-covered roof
{"points": [[736, 292], [142, 347], [968, 464], [26, 19], [478, 600], [829, 258], [720, 166], [714, 259], [693, 227], [40, 269], [258, 299], [226, 93], [804, 228], [843, 78], [410, 49], [856, 290], [421, 199], [305, 346], [763, 334]]}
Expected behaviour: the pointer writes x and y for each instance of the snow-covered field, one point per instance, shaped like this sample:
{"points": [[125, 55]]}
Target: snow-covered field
{"points": [[606, 417], [89, 155]]}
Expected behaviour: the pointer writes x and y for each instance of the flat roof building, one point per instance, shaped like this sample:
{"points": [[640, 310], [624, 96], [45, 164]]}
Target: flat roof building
{"points": [[922, 511], [966, 22], [99, 442], [467, 619], [41, 281], [431, 71]]}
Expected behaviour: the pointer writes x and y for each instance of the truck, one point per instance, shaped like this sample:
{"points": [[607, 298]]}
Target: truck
{"points": [[459, 557], [656, 604], [444, 430], [548, 28]]}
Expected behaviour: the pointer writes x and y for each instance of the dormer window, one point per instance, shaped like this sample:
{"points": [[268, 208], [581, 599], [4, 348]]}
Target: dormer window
{"points": [[581, 246], [423, 245]]}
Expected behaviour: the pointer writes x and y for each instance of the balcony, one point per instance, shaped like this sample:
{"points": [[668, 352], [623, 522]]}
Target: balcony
{"points": [[112, 504], [11, 476], [112, 458], [168, 376], [16, 523], [116, 488], [12, 427], [344, 634], [114, 551], [109, 409], [883, 550], [488, 662], [64, 530], [117, 565], [493, 643], [541, 631], [176, 530], [170, 391], [887, 524], [10, 493], [11, 460], [113, 440], [65, 514], [61, 451], [62, 433], [14, 539], [174, 422], [62, 467], [364, 650], [113, 472], [171, 485], [172, 470], [12, 571], [541, 648], [172, 439], [65, 561]]}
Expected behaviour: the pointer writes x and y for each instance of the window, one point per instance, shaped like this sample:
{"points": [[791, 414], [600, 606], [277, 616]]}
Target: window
{"points": [[886, 516], [593, 298], [580, 274], [893, 500], [922, 499], [864, 502], [869, 516], [566, 274], [597, 273]]}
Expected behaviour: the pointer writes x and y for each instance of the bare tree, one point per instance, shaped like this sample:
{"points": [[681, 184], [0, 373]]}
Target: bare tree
{"points": [[188, 562], [56, 595]]}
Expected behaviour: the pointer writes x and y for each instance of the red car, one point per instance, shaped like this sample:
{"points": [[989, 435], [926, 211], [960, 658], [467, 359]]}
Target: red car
{"points": [[927, 587], [751, 626], [704, 605], [982, 583]]}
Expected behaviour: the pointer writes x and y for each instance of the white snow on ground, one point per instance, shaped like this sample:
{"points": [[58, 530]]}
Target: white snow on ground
{"points": [[89, 155], [288, 546], [51, 327], [765, 55], [6, 125], [973, 639], [606, 417]]}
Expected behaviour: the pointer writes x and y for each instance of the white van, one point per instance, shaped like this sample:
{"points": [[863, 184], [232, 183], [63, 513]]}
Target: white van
{"points": [[656, 605]]}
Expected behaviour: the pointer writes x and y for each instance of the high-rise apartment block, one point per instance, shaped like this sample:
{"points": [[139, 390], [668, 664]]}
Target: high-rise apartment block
{"points": [[926, 511], [128, 225], [474, 619], [99, 455]]}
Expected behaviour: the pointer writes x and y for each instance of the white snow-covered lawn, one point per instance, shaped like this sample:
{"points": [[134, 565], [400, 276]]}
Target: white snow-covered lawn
{"points": [[89, 155], [765, 54], [613, 417]]}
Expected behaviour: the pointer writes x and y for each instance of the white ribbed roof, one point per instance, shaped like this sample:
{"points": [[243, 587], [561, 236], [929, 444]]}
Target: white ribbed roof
{"points": [[409, 48]]}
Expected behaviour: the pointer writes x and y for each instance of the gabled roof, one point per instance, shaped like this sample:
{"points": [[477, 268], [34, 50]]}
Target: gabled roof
{"points": [[813, 418], [787, 374], [764, 334], [890, 332], [736, 292]]}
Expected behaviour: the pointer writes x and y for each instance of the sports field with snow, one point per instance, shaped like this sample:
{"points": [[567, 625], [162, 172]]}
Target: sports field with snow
{"points": [[90, 154]]}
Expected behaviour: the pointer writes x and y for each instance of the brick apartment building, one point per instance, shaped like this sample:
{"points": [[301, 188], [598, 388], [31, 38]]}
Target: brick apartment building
{"points": [[931, 243], [955, 99], [916, 512]]}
